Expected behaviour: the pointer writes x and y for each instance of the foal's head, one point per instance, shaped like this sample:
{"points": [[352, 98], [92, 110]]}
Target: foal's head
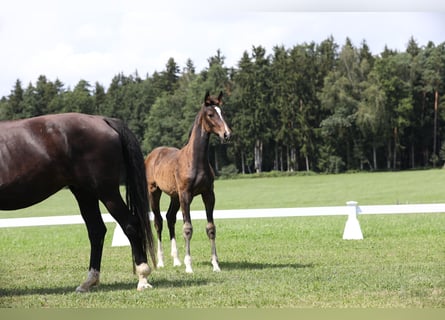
{"points": [[212, 117]]}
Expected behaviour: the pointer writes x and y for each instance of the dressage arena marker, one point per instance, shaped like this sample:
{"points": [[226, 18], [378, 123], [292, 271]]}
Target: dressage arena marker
{"points": [[352, 229]]}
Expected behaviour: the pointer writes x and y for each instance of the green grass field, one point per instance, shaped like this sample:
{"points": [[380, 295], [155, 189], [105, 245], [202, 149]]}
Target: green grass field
{"points": [[274, 263], [423, 186]]}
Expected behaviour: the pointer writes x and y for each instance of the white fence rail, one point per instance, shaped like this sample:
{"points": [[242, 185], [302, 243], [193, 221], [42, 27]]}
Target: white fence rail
{"points": [[352, 229]]}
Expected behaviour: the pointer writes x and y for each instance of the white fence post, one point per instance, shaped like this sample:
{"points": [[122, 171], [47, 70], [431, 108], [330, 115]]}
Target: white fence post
{"points": [[119, 237], [352, 228]]}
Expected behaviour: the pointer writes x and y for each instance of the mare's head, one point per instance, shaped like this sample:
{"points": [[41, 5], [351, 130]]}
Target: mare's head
{"points": [[212, 117]]}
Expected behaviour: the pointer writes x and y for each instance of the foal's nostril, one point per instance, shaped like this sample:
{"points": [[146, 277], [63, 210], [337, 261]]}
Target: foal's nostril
{"points": [[227, 135]]}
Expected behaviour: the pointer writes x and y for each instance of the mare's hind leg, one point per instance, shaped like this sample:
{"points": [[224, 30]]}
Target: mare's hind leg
{"points": [[209, 202], [171, 220], [89, 209], [132, 229], [154, 196]]}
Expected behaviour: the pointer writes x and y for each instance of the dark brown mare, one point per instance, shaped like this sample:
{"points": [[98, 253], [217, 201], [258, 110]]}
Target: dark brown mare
{"points": [[89, 154], [183, 174]]}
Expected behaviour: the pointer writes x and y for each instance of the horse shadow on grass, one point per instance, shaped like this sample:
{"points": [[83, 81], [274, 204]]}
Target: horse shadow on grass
{"points": [[103, 287], [246, 265], [158, 283]]}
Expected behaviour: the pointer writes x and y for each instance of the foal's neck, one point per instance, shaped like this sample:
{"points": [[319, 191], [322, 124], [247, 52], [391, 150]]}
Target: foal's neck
{"points": [[198, 144]]}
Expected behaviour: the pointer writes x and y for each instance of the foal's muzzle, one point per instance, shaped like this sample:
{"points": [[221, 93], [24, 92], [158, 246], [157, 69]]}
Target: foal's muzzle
{"points": [[227, 136]]}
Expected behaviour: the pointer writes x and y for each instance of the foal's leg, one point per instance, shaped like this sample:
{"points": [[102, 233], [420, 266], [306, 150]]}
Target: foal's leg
{"points": [[209, 203], [187, 229], [89, 209], [171, 220], [132, 229], [154, 196]]}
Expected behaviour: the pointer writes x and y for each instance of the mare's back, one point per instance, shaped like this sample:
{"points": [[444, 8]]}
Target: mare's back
{"points": [[52, 138], [41, 155]]}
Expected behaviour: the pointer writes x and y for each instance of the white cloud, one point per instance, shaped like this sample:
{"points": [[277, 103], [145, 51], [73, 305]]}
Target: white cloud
{"points": [[94, 40], [62, 62]]}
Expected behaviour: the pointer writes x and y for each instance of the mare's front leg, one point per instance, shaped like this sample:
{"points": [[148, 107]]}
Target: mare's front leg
{"points": [[187, 229], [89, 209], [132, 228], [209, 203], [171, 221]]}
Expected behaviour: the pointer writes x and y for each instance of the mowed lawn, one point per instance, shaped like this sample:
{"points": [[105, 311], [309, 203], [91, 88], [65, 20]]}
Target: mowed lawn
{"points": [[405, 187], [274, 262]]}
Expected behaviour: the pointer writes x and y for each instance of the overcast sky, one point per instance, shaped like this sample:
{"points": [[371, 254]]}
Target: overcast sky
{"points": [[95, 40]]}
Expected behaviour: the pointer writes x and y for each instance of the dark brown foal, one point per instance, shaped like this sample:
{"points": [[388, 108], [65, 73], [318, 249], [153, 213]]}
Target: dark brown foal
{"points": [[183, 174]]}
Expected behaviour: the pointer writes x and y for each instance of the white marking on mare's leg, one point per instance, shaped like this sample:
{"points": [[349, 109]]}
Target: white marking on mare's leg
{"points": [[174, 253], [143, 271], [160, 255], [92, 280]]}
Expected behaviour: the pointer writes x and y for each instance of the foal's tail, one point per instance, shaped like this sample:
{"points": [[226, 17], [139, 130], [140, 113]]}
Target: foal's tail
{"points": [[135, 182]]}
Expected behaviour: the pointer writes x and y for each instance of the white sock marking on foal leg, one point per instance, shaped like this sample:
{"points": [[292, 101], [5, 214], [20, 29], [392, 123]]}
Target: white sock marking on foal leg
{"points": [[215, 264], [187, 230], [188, 264], [160, 255], [174, 253], [214, 257]]}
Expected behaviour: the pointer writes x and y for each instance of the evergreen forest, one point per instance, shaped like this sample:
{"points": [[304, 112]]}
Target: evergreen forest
{"points": [[320, 107]]}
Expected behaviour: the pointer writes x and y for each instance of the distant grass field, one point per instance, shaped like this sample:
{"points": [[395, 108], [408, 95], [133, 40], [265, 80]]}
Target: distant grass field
{"points": [[422, 186], [271, 263]]}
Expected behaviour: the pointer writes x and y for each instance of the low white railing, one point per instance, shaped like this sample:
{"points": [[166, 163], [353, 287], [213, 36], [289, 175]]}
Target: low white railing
{"points": [[352, 229]]}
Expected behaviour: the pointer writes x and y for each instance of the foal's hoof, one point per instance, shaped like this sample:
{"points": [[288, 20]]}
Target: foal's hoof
{"points": [[188, 264], [176, 262], [215, 264]]}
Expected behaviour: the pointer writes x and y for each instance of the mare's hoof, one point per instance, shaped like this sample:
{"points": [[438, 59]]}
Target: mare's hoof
{"points": [[143, 286]]}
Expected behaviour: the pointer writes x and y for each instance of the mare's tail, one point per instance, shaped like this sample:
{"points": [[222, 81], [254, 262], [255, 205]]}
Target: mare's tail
{"points": [[135, 182]]}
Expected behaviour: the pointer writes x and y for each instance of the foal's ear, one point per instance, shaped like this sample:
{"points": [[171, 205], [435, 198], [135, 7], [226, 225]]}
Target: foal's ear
{"points": [[207, 101], [220, 98]]}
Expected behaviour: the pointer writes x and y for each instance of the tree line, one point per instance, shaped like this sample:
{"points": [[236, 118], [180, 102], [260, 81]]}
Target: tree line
{"points": [[312, 107]]}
